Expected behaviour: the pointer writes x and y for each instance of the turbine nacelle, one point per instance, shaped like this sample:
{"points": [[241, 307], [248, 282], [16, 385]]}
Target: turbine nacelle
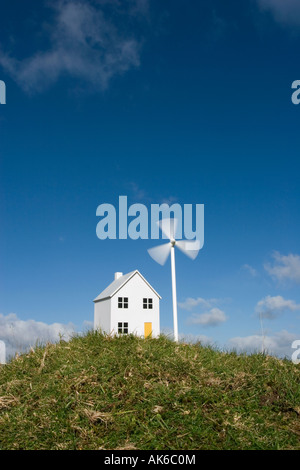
{"points": [[160, 253]]}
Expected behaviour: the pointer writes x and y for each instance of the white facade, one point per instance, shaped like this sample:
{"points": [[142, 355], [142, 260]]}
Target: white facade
{"points": [[128, 305]]}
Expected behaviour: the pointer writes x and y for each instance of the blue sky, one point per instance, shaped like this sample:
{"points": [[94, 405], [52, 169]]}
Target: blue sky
{"points": [[159, 101]]}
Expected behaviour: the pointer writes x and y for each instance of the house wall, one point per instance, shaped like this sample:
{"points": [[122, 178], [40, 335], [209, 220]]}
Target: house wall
{"points": [[102, 316], [135, 289]]}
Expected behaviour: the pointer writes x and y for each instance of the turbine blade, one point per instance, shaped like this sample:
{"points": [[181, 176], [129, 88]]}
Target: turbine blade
{"points": [[168, 227], [160, 253], [189, 248]]}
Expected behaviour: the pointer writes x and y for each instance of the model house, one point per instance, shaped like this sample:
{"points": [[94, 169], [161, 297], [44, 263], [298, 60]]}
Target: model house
{"points": [[128, 305]]}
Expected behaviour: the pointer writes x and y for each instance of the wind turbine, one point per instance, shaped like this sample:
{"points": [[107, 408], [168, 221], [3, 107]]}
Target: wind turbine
{"points": [[161, 253]]}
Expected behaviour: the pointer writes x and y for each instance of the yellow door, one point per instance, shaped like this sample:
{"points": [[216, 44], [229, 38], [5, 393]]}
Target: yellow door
{"points": [[147, 329]]}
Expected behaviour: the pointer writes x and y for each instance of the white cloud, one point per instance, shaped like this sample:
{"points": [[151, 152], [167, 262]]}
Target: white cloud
{"points": [[20, 335], [211, 318], [278, 344], [137, 192], [284, 11], [87, 325], [191, 303], [250, 270], [285, 267], [270, 307], [212, 315], [85, 45]]}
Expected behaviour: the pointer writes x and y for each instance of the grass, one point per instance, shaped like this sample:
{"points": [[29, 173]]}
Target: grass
{"points": [[102, 392]]}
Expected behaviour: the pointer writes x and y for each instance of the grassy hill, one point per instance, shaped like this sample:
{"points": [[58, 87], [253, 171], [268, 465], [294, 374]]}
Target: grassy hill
{"points": [[98, 392]]}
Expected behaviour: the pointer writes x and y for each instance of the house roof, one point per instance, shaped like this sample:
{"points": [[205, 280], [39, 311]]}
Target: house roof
{"points": [[116, 285]]}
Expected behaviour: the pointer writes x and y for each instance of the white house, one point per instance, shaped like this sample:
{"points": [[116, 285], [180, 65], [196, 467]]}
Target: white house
{"points": [[128, 305]]}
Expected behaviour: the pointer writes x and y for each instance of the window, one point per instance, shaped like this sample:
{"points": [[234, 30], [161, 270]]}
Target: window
{"points": [[122, 302], [123, 328], [147, 303]]}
